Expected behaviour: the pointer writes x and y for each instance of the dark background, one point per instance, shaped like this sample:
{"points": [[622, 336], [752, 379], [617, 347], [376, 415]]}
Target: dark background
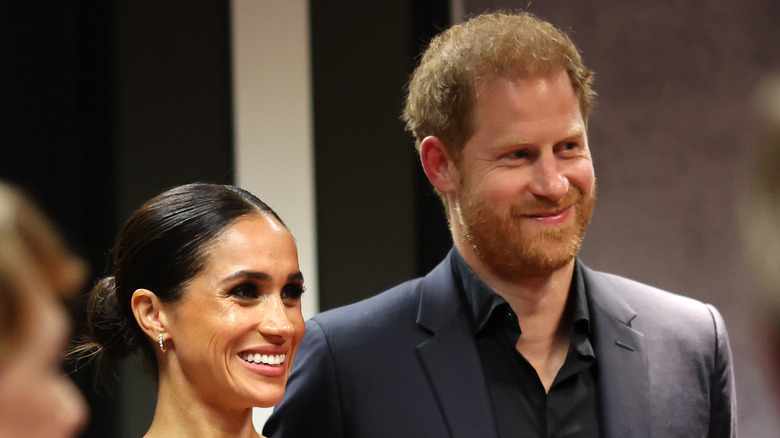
{"points": [[109, 102]]}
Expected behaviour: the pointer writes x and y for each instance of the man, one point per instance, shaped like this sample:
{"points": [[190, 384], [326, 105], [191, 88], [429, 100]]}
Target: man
{"points": [[510, 335]]}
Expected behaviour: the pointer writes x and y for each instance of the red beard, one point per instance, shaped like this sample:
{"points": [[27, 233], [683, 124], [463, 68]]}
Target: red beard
{"points": [[509, 245]]}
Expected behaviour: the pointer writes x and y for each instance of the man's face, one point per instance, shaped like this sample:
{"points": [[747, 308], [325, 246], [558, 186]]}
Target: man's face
{"points": [[525, 182]]}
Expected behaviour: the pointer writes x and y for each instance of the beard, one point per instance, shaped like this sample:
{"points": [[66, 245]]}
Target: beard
{"points": [[504, 241]]}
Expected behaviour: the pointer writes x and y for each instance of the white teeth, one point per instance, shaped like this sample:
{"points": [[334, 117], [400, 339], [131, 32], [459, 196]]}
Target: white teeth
{"points": [[266, 359]]}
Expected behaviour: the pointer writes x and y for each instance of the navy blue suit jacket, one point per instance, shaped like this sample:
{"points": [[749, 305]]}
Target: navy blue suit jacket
{"points": [[404, 364]]}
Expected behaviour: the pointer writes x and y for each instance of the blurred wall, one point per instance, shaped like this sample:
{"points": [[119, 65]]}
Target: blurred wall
{"points": [[274, 151], [364, 174]]}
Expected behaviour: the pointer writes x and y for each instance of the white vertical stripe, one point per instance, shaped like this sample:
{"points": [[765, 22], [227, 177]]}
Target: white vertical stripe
{"points": [[457, 11], [273, 122]]}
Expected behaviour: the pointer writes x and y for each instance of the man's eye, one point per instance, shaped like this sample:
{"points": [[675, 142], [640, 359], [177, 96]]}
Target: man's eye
{"points": [[568, 146], [292, 293], [518, 155], [246, 291]]}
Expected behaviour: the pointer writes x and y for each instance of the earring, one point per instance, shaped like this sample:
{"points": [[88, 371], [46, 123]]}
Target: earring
{"points": [[161, 343]]}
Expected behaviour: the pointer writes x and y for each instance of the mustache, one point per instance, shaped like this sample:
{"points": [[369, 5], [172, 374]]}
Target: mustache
{"points": [[542, 206]]}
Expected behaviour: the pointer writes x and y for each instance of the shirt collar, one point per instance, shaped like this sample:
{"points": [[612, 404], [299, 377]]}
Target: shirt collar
{"points": [[482, 302]]}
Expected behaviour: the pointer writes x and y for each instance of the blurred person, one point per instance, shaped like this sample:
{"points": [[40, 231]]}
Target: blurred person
{"points": [[759, 214], [511, 335], [206, 286], [37, 399]]}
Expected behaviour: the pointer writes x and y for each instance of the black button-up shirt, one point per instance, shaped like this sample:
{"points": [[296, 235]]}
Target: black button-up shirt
{"points": [[522, 407]]}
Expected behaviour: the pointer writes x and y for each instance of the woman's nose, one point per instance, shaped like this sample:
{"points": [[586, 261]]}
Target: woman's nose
{"points": [[275, 322]]}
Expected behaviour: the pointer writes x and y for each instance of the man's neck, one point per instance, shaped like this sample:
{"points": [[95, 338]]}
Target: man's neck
{"points": [[528, 291], [540, 303]]}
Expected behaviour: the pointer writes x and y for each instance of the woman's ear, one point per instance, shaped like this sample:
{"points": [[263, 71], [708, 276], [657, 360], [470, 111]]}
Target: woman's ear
{"points": [[438, 165], [149, 313]]}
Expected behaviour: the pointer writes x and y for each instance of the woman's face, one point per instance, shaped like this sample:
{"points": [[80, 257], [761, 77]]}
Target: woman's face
{"points": [[36, 398], [234, 332]]}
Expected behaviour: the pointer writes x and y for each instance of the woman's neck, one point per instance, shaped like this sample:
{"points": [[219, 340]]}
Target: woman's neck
{"points": [[181, 413]]}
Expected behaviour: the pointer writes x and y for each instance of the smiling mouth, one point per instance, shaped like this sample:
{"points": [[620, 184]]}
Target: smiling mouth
{"points": [[543, 215], [264, 359]]}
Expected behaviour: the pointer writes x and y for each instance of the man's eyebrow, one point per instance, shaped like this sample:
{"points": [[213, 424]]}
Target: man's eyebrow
{"points": [[576, 131], [297, 276]]}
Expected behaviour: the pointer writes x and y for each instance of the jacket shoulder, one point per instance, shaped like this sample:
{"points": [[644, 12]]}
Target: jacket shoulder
{"points": [[652, 306], [380, 312]]}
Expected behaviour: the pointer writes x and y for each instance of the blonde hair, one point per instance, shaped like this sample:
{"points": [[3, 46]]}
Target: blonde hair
{"points": [[442, 88], [30, 247]]}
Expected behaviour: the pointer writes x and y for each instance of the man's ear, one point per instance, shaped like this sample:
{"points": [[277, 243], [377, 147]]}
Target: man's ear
{"points": [[149, 313], [438, 165]]}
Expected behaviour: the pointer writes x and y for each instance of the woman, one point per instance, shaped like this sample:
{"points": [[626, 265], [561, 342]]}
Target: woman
{"points": [[36, 273], [206, 286]]}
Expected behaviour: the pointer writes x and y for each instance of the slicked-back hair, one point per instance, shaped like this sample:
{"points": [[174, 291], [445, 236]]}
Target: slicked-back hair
{"points": [[162, 247]]}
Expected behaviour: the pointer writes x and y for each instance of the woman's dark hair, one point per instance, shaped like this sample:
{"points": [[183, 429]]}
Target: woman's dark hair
{"points": [[161, 247]]}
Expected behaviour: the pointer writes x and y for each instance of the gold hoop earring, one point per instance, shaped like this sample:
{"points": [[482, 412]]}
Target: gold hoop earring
{"points": [[161, 343]]}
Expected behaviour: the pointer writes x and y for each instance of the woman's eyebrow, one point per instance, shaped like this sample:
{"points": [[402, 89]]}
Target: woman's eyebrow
{"points": [[260, 276], [254, 275]]}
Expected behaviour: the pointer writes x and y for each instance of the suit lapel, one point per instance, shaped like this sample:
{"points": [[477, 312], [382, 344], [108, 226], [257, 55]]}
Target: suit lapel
{"points": [[621, 355], [451, 360]]}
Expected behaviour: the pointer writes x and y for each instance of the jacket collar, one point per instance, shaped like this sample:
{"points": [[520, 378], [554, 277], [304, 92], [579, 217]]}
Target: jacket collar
{"points": [[450, 357], [439, 299], [621, 356]]}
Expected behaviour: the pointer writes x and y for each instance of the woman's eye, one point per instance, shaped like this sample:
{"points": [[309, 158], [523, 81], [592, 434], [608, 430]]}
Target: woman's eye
{"points": [[246, 291], [292, 293]]}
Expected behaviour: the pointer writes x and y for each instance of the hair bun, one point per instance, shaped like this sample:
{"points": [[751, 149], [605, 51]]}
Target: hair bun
{"points": [[109, 335], [107, 324]]}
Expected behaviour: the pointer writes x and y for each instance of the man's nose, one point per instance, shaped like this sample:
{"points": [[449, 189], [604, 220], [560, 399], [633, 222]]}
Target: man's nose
{"points": [[548, 179]]}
